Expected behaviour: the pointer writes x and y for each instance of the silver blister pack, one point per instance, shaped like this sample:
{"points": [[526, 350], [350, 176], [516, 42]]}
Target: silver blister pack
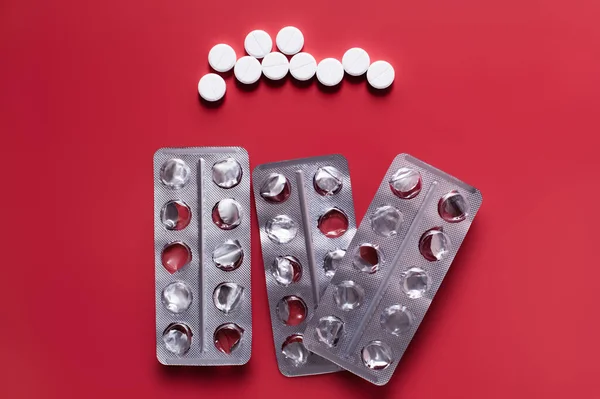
{"points": [[202, 256], [395, 264], [306, 220]]}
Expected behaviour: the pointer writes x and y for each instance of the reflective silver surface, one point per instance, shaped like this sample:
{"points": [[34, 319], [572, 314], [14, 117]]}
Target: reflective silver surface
{"points": [[228, 256], [227, 214], [174, 173], [227, 296], [328, 180], [406, 183], [175, 215], [332, 260], [276, 188], [281, 229], [286, 270], [453, 207], [386, 221], [377, 355], [294, 351], [329, 330], [177, 338], [415, 282], [177, 297], [367, 258], [227, 173], [434, 244], [396, 319], [348, 295]]}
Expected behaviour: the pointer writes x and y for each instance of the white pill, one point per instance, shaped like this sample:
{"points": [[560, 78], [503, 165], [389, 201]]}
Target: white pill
{"points": [[290, 40], [221, 57], [356, 61], [247, 70], [275, 66], [303, 66], [330, 72], [258, 43], [380, 74], [211, 87]]}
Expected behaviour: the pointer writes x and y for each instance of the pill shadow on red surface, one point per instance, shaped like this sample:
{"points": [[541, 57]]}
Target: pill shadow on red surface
{"points": [[366, 388], [355, 80], [247, 88], [212, 104], [330, 89], [224, 75], [277, 83], [303, 84], [380, 92], [204, 375]]}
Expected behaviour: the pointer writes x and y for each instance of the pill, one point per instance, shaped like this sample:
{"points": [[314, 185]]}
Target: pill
{"points": [[275, 66], [303, 66], [380, 74], [290, 40], [221, 57], [258, 43], [247, 70], [330, 72], [211, 87], [356, 61]]}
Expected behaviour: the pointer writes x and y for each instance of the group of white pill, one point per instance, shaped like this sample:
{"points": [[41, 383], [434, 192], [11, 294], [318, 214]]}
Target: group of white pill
{"points": [[275, 65]]}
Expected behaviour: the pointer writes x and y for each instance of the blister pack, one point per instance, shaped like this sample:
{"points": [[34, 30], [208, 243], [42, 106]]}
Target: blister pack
{"points": [[394, 266], [202, 256], [306, 220]]}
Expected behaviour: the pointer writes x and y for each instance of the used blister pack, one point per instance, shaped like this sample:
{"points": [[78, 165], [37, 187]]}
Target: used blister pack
{"points": [[202, 256], [306, 220], [394, 266]]}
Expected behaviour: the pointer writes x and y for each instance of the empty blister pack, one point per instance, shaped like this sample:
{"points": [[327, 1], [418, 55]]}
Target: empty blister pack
{"points": [[394, 266], [202, 256], [306, 220]]}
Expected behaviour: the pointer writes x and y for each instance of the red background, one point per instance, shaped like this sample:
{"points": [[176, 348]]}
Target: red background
{"points": [[504, 94]]}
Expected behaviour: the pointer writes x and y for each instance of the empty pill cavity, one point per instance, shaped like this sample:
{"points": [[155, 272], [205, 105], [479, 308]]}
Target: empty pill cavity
{"points": [[453, 207], [286, 270], [415, 282], [377, 355], [434, 244], [332, 261], [227, 337], [328, 331], [327, 181], [386, 221], [177, 338], [177, 297], [227, 214], [294, 351], [175, 256], [228, 296], [174, 173], [291, 310], [281, 229], [228, 256], [367, 258], [406, 183], [396, 319], [227, 173], [333, 223], [348, 295], [175, 215], [276, 188]]}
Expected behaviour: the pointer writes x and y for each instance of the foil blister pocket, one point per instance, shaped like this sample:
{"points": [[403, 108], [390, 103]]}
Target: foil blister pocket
{"points": [[393, 268], [306, 219], [202, 256]]}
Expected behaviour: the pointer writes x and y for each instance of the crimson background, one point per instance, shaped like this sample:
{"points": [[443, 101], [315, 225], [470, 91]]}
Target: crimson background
{"points": [[503, 94]]}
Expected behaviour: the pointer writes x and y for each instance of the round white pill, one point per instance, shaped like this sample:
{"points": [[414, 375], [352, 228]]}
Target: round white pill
{"points": [[380, 74], [247, 70], [303, 66], [330, 72], [290, 40], [356, 61], [221, 57], [275, 66], [211, 87], [258, 43]]}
